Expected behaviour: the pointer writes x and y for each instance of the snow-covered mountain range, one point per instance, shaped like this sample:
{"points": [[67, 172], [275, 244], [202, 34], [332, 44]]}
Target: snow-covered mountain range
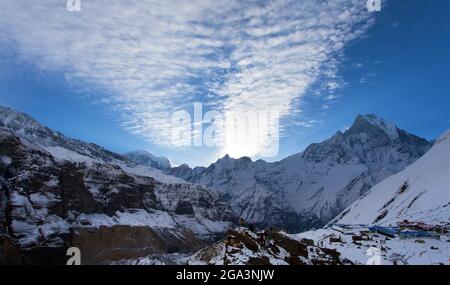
{"points": [[309, 189], [411, 208], [57, 192]]}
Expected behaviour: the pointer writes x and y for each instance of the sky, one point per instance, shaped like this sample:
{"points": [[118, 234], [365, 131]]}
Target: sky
{"points": [[117, 74]]}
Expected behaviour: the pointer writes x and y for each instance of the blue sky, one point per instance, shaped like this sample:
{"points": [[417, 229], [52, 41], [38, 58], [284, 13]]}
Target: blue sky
{"points": [[113, 78]]}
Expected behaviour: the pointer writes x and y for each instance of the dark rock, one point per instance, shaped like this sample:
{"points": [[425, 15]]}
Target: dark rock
{"points": [[184, 208], [75, 194], [106, 244], [264, 260], [293, 247]]}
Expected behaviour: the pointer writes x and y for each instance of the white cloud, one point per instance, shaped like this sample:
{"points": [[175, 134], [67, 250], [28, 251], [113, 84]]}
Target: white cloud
{"points": [[155, 57]]}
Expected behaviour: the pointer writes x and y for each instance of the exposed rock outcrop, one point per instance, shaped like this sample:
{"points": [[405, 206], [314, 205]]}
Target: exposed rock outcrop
{"points": [[48, 205]]}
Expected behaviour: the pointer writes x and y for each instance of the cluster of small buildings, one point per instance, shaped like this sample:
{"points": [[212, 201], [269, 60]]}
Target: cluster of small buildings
{"points": [[407, 229], [404, 229]]}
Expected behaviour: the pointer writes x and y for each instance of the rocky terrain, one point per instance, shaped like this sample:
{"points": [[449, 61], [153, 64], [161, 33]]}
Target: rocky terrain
{"points": [[56, 192], [111, 209], [270, 247]]}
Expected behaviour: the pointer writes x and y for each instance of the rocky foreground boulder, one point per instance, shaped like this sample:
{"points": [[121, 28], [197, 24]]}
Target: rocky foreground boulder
{"points": [[270, 247]]}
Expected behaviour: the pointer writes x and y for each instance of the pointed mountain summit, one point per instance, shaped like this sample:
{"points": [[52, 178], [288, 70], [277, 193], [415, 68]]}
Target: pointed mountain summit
{"points": [[367, 123]]}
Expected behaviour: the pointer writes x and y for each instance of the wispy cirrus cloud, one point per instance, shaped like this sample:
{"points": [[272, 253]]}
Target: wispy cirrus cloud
{"points": [[155, 57]]}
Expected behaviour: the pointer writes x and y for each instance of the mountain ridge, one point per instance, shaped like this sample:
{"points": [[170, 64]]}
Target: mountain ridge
{"points": [[52, 198], [299, 192], [316, 184]]}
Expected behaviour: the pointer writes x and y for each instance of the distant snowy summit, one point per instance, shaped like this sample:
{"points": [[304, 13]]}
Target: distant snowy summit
{"points": [[143, 157]]}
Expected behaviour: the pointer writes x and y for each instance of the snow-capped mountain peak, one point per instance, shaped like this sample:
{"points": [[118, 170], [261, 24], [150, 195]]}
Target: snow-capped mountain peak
{"points": [[367, 123], [143, 157], [229, 163], [389, 128], [421, 192]]}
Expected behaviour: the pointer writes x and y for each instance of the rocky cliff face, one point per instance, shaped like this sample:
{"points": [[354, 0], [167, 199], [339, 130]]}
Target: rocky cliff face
{"points": [[310, 188], [47, 205]]}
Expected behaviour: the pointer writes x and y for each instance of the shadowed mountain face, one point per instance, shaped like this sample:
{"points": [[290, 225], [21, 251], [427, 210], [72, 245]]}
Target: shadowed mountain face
{"points": [[310, 188]]}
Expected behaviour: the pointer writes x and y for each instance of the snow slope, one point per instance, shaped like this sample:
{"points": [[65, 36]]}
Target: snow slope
{"points": [[402, 251], [419, 193]]}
